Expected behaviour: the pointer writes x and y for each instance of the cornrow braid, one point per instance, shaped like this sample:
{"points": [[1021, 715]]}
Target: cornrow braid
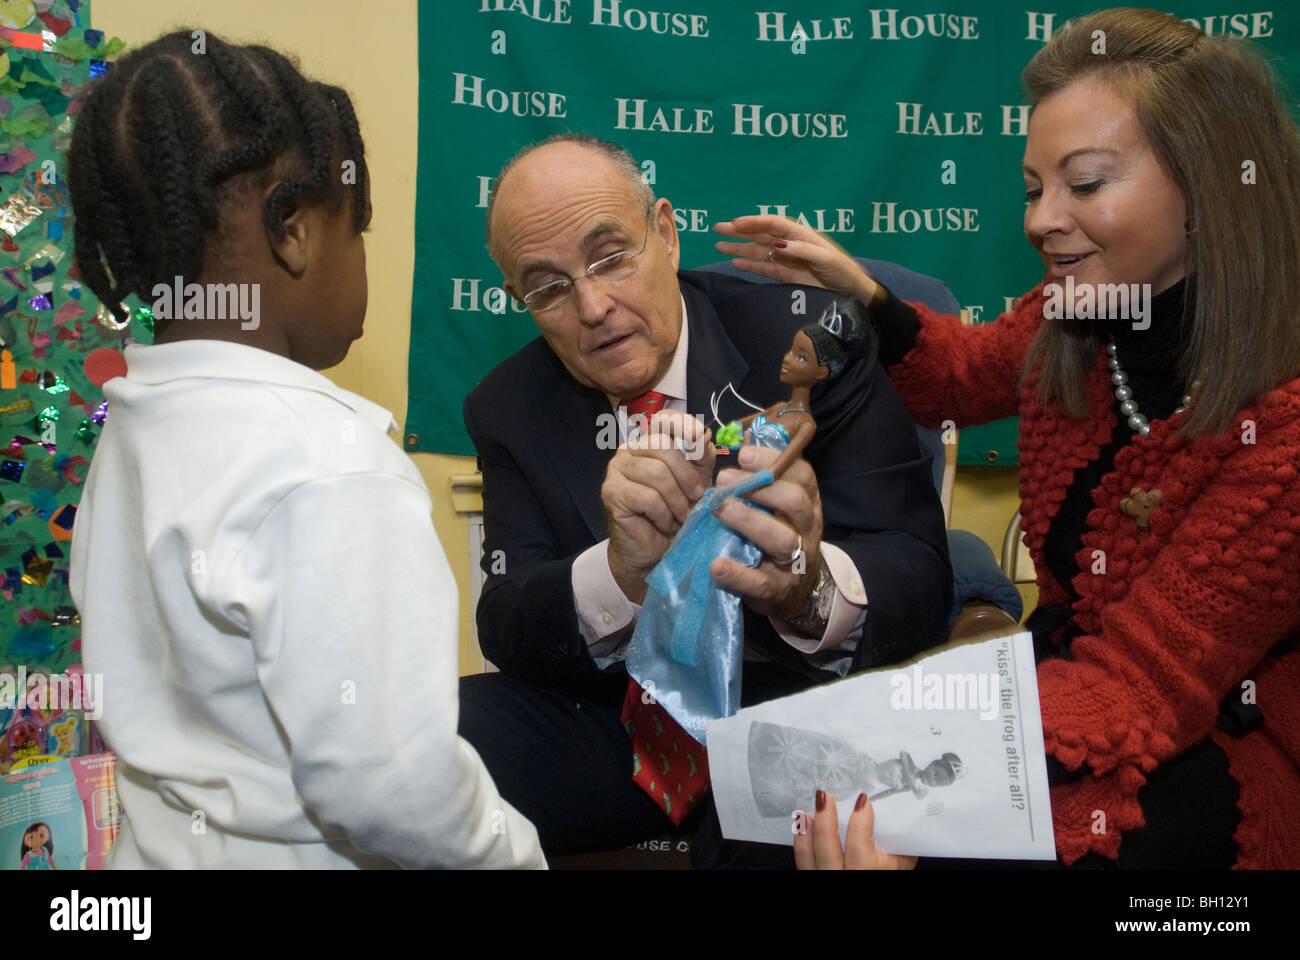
{"points": [[311, 106], [85, 244], [172, 205], [162, 138]]}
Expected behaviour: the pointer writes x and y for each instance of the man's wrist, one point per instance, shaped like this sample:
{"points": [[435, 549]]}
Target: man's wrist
{"points": [[603, 609], [633, 587], [631, 583], [811, 620]]}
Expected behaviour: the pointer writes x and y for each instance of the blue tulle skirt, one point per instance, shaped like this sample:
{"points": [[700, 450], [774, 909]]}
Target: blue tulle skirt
{"points": [[687, 646]]}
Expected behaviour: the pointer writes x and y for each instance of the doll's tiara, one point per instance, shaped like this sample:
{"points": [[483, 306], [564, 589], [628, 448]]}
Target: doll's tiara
{"points": [[832, 321]]}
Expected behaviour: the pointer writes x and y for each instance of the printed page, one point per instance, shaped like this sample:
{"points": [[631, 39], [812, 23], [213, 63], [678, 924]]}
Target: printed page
{"points": [[949, 749]]}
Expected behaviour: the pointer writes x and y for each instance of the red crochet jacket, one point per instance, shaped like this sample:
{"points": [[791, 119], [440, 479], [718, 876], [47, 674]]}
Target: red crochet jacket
{"points": [[1185, 612]]}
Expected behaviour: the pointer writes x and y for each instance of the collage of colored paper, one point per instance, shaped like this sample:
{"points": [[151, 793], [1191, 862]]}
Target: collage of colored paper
{"points": [[51, 408]]}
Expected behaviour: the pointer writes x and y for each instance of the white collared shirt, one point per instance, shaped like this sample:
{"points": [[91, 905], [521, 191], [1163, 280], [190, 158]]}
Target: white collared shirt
{"points": [[262, 590], [605, 614]]}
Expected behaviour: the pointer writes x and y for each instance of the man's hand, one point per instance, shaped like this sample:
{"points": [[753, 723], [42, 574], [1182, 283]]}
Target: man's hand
{"points": [[818, 846], [650, 486], [773, 588]]}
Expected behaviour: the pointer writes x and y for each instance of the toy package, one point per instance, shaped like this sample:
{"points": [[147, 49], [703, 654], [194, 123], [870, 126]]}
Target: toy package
{"points": [[46, 715], [59, 814]]}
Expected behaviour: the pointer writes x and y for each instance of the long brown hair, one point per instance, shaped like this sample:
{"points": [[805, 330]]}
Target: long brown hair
{"points": [[1206, 105]]}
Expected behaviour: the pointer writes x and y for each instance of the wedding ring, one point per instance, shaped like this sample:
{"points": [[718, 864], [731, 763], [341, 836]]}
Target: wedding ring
{"points": [[770, 254], [798, 552]]}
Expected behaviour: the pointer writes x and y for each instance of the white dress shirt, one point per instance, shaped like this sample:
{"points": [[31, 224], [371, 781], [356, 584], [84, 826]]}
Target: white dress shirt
{"points": [[605, 614], [262, 590]]}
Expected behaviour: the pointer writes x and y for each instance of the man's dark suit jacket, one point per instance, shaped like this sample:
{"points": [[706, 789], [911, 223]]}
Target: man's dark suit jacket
{"points": [[535, 429]]}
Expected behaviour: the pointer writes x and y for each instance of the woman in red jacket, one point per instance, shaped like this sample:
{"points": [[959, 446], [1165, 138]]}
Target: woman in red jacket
{"points": [[1158, 445]]}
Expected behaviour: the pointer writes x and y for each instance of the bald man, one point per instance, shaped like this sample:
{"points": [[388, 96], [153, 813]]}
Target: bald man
{"points": [[573, 526]]}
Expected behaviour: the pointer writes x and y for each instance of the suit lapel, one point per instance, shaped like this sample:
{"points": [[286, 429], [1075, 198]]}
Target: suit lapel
{"points": [[579, 460]]}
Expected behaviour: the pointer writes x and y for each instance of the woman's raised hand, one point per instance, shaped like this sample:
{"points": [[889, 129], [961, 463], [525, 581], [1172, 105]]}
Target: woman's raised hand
{"points": [[787, 251]]}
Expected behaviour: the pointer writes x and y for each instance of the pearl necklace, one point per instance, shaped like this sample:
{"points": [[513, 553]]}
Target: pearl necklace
{"points": [[1124, 394]]}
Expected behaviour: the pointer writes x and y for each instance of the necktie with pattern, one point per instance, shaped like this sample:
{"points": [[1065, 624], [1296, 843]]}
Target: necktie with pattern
{"points": [[667, 762]]}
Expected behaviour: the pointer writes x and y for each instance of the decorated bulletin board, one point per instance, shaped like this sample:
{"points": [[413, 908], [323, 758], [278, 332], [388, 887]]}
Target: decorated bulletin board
{"points": [[898, 129], [51, 406]]}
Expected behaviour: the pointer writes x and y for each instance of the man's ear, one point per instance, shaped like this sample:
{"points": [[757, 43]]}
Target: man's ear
{"points": [[667, 227], [292, 249]]}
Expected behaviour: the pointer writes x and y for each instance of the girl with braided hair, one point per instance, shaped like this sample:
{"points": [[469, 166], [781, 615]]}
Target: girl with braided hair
{"points": [[254, 562]]}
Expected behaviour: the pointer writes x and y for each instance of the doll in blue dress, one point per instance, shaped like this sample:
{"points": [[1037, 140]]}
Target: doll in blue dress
{"points": [[687, 645], [820, 351], [37, 851]]}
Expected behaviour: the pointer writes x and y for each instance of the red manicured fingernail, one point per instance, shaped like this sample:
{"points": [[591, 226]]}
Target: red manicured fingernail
{"points": [[862, 802], [821, 800], [779, 244]]}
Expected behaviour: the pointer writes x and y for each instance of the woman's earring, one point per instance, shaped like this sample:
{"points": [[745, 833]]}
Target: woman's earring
{"points": [[1188, 229]]}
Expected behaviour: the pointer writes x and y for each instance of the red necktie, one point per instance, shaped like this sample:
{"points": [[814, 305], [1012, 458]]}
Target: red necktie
{"points": [[667, 762], [646, 405]]}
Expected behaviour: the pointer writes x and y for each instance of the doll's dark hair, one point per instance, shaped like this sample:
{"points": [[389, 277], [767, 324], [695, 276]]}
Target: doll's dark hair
{"points": [[49, 844], [839, 336], [163, 139]]}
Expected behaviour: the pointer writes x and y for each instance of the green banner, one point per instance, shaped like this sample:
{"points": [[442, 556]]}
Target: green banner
{"points": [[899, 131]]}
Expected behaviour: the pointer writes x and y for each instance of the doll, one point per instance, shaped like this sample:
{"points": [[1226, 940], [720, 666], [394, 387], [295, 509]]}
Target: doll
{"points": [[37, 850], [820, 351], [686, 648]]}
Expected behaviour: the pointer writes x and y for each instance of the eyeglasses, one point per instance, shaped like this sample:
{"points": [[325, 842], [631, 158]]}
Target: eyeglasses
{"points": [[611, 269]]}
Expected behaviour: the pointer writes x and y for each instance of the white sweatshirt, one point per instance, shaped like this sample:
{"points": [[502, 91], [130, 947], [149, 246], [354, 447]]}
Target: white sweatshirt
{"points": [[262, 590]]}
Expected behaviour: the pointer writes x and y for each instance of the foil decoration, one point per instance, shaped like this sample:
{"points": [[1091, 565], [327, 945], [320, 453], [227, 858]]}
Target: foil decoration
{"points": [[37, 570], [105, 318], [53, 383], [51, 252], [18, 211], [85, 433], [65, 518]]}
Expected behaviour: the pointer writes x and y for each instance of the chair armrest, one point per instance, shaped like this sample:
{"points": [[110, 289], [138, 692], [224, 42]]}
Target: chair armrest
{"points": [[978, 618]]}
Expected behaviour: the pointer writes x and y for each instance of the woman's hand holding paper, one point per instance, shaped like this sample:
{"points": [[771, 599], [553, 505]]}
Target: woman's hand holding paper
{"points": [[817, 841]]}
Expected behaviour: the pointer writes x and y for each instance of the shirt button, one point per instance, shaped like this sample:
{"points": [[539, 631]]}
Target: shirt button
{"points": [[606, 619]]}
